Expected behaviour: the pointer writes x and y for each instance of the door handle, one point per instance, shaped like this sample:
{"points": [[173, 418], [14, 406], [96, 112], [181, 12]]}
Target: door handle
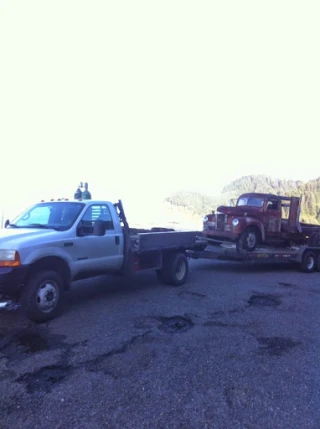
{"points": [[117, 239]]}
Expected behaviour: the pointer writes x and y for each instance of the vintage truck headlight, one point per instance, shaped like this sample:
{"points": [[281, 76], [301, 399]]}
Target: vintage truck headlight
{"points": [[235, 222], [9, 258], [205, 219]]}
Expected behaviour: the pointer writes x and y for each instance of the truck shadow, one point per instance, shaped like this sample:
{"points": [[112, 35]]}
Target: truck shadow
{"points": [[104, 286]]}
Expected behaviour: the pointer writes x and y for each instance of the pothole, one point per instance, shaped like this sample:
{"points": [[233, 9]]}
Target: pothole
{"points": [[172, 325], [276, 346], [45, 379], [264, 300], [32, 342]]}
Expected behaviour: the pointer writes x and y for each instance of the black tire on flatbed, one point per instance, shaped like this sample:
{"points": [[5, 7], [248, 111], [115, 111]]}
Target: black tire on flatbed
{"points": [[249, 239], [309, 261], [43, 296], [175, 269]]}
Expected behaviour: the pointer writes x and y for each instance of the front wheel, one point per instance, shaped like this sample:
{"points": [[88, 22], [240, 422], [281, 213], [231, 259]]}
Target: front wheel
{"points": [[249, 239], [42, 296], [175, 269]]}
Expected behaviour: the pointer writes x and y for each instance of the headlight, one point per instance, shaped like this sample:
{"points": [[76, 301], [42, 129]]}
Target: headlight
{"points": [[205, 219], [235, 222], [9, 258]]}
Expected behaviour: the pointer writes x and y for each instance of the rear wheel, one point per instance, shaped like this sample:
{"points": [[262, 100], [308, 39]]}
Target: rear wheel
{"points": [[175, 269], [249, 239], [309, 262]]}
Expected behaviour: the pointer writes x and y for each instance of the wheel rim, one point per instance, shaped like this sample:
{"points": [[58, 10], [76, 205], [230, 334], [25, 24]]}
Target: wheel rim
{"points": [[251, 240], [310, 263], [47, 296], [181, 270]]}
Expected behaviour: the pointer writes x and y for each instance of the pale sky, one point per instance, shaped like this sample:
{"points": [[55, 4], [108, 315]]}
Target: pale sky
{"points": [[142, 98]]}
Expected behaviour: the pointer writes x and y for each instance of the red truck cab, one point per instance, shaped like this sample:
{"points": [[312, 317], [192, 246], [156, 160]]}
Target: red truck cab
{"points": [[257, 219]]}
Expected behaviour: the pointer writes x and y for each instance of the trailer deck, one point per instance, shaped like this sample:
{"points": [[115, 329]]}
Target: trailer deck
{"points": [[308, 257]]}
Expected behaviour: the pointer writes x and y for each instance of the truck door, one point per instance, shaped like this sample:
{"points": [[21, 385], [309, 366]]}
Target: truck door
{"points": [[272, 219], [294, 214], [99, 253]]}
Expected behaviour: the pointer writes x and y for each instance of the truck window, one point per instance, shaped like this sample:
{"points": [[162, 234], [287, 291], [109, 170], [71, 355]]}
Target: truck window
{"points": [[97, 212], [273, 205], [39, 214], [60, 215], [250, 201]]}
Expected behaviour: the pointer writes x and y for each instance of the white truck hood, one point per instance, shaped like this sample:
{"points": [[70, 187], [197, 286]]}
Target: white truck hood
{"points": [[13, 238]]}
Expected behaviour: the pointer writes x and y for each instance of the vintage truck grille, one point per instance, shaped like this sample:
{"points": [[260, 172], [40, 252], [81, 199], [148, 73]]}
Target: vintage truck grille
{"points": [[220, 221]]}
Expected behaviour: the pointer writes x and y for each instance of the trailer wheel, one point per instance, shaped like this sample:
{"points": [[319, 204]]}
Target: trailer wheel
{"points": [[175, 269], [309, 262], [249, 239], [42, 297]]}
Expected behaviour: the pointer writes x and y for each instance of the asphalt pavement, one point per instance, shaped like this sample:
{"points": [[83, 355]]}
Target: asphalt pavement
{"points": [[237, 346]]}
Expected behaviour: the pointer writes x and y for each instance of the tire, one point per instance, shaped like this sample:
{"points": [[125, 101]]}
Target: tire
{"points": [[309, 262], [249, 239], [318, 263], [42, 288], [175, 269]]}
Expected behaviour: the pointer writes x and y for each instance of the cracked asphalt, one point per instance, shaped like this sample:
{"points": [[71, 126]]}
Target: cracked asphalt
{"points": [[235, 347]]}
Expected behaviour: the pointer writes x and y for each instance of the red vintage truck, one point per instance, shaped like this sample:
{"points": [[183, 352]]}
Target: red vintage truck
{"points": [[261, 219]]}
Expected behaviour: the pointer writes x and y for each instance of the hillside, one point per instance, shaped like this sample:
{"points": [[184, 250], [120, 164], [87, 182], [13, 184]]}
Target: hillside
{"points": [[200, 204]]}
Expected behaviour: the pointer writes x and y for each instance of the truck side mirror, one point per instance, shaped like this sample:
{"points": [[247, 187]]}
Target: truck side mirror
{"points": [[7, 223], [99, 228]]}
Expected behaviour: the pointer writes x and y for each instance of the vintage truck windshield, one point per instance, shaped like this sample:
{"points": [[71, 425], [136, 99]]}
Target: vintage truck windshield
{"points": [[250, 201], [52, 215]]}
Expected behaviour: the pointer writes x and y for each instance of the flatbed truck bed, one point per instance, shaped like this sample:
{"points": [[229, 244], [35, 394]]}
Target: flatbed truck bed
{"points": [[308, 257]]}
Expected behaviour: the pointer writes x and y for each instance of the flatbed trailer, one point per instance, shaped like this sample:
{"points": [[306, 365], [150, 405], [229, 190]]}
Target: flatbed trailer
{"points": [[307, 257]]}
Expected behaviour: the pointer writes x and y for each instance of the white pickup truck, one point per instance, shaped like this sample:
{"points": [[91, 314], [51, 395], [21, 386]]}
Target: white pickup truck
{"points": [[54, 243]]}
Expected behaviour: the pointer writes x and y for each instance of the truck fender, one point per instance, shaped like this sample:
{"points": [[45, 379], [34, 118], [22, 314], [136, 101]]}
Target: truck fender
{"points": [[250, 221], [41, 253]]}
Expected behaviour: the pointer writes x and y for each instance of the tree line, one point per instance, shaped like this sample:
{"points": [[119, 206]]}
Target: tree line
{"points": [[201, 204]]}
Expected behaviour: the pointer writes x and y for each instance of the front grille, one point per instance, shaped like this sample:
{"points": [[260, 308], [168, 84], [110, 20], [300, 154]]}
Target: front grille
{"points": [[220, 221]]}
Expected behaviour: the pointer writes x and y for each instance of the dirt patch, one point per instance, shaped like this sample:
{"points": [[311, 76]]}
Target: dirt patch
{"points": [[192, 295], [264, 300], [123, 361], [276, 346], [287, 284], [224, 325], [15, 345], [175, 324], [45, 378]]}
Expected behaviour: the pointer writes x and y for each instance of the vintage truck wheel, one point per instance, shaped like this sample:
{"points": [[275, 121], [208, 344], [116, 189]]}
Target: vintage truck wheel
{"points": [[175, 269], [309, 262], [249, 239], [42, 297]]}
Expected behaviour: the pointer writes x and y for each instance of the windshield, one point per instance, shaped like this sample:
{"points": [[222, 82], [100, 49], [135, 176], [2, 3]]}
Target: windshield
{"points": [[51, 215], [250, 201]]}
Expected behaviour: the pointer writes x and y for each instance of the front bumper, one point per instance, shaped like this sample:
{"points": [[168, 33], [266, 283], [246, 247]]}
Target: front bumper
{"points": [[11, 280], [220, 235]]}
